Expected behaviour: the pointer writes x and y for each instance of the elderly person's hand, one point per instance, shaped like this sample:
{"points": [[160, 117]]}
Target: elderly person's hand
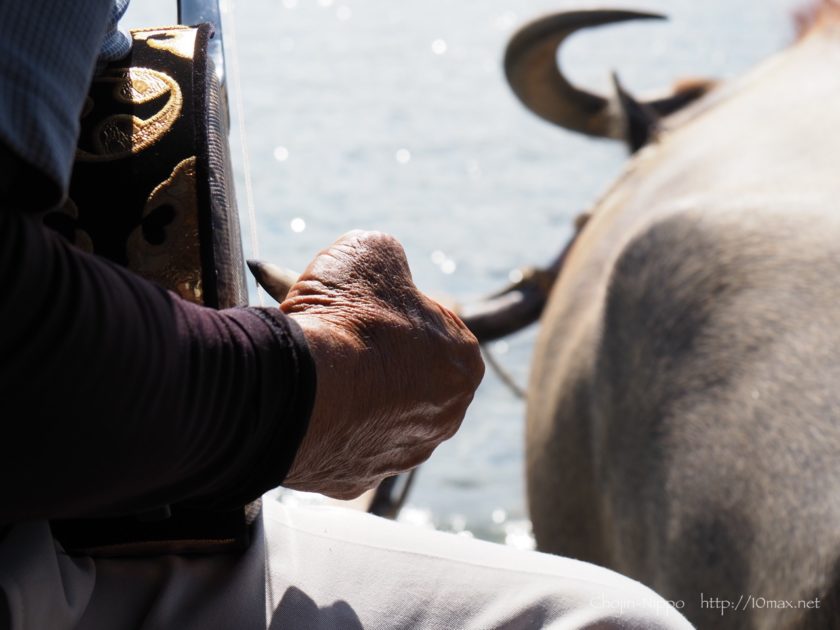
{"points": [[396, 370]]}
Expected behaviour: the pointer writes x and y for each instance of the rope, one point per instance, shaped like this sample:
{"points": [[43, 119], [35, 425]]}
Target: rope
{"points": [[502, 373], [228, 8]]}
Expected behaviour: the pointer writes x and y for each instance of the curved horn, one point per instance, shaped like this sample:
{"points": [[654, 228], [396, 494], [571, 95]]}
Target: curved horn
{"points": [[532, 72], [520, 304], [275, 280], [534, 76], [510, 310]]}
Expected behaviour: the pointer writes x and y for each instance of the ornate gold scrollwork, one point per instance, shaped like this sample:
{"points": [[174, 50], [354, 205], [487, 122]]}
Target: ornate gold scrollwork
{"points": [[164, 247], [121, 135], [175, 40]]}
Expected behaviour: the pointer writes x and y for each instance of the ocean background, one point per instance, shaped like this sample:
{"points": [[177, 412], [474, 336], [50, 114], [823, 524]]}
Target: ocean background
{"points": [[394, 115]]}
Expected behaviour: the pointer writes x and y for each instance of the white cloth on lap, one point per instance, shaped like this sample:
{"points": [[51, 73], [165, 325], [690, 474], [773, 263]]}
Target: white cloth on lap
{"points": [[321, 568], [332, 568]]}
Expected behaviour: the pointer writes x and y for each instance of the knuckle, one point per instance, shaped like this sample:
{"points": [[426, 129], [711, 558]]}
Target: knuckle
{"points": [[373, 237], [450, 428], [383, 237], [477, 368], [419, 456], [387, 243], [349, 491], [470, 368], [354, 235], [347, 495]]}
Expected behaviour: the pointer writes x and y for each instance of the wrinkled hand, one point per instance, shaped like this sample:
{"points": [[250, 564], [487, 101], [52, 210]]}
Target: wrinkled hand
{"points": [[396, 370]]}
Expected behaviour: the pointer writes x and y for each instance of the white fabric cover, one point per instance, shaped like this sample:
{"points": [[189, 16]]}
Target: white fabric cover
{"points": [[321, 568]]}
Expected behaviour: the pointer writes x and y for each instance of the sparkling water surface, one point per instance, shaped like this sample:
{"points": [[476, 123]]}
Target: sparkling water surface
{"points": [[394, 115]]}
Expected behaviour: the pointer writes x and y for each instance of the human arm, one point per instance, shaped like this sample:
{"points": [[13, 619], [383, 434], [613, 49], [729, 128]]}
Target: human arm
{"points": [[116, 396]]}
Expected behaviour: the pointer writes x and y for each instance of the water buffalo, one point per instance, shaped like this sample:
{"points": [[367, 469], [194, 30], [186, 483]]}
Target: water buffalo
{"points": [[683, 416]]}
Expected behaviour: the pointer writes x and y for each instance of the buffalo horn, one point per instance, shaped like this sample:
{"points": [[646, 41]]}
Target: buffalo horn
{"points": [[275, 280], [534, 76]]}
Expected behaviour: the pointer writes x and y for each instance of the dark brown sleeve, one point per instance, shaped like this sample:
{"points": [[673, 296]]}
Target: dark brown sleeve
{"points": [[116, 396]]}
